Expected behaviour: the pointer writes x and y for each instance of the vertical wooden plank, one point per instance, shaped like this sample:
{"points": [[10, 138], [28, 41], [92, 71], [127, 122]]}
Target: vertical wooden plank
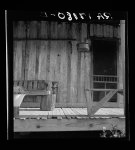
{"points": [[53, 30], [38, 28], [23, 62], [18, 48], [35, 85], [121, 65], [99, 30], [21, 83], [39, 98], [26, 61], [69, 52], [88, 94], [82, 78], [83, 32], [32, 29], [56, 62], [46, 103], [53, 59], [91, 30], [58, 73], [105, 30], [61, 30], [32, 60], [48, 60], [19, 28], [43, 29], [68, 32], [74, 35], [78, 77], [111, 31], [78, 31], [25, 84], [38, 44], [73, 92], [43, 52], [94, 29], [14, 61], [63, 73], [37, 59], [115, 32], [29, 85], [51, 75]]}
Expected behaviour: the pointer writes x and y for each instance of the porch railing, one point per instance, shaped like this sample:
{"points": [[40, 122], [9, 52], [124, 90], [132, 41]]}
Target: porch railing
{"points": [[103, 84], [105, 78]]}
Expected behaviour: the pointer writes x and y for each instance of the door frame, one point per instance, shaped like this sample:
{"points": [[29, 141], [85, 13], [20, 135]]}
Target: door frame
{"points": [[108, 104]]}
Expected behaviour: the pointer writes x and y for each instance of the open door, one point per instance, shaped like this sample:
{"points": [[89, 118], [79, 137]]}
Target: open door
{"points": [[104, 75]]}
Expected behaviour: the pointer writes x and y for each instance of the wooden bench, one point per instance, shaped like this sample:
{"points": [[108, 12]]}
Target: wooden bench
{"points": [[35, 88]]}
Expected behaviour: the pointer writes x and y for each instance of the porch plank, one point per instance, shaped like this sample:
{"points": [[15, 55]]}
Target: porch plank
{"points": [[76, 112], [34, 112], [66, 125], [67, 114], [72, 114], [82, 111], [61, 112], [71, 111]]}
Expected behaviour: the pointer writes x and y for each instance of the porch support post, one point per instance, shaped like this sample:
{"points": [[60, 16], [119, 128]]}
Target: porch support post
{"points": [[121, 64], [88, 79]]}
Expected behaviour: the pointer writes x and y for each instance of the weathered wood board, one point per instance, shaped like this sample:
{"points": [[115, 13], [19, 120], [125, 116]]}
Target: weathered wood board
{"points": [[35, 125], [48, 51]]}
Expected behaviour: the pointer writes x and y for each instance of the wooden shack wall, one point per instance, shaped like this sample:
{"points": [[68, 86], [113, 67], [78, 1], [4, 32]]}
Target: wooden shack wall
{"points": [[48, 51]]}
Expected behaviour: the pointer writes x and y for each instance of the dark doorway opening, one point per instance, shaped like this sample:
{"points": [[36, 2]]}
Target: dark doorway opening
{"points": [[104, 68], [104, 57]]}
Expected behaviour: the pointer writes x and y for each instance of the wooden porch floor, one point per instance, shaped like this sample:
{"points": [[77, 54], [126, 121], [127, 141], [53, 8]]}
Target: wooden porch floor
{"points": [[67, 119], [68, 112]]}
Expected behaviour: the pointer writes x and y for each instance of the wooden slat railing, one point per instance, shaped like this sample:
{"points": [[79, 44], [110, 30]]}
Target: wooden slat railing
{"points": [[105, 78]]}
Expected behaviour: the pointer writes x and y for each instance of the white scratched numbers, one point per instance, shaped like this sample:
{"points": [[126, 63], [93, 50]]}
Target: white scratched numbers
{"points": [[75, 16], [78, 16], [69, 16], [104, 15], [61, 15], [82, 15]]}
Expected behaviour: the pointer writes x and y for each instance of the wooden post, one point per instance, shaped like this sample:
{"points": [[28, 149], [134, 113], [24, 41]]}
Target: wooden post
{"points": [[88, 70], [46, 100], [121, 64]]}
